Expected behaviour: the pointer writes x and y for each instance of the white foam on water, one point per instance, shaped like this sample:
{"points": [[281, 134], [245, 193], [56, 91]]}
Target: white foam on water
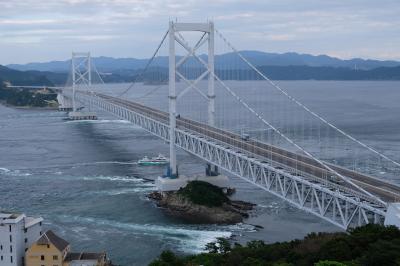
{"points": [[115, 192], [272, 205], [5, 170], [242, 227], [107, 162], [104, 121], [13, 172], [75, 165], [189, 239], [115, 178]]}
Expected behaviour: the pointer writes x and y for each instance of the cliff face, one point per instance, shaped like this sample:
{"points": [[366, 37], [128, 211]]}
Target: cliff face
{"points": [[179, 206]]}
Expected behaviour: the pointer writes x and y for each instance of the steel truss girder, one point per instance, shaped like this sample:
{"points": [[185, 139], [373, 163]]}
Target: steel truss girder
{"points": [[342, 209]]}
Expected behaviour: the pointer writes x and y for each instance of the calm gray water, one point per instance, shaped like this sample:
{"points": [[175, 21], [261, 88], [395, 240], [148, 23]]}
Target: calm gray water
{"points": [[81, 176]]}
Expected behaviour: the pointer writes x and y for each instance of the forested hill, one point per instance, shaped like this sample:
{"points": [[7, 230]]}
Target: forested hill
{"points": [[27, 78], [25, 97]]}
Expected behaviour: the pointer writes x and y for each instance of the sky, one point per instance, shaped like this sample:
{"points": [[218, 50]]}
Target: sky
{"points": [[44, 30]]}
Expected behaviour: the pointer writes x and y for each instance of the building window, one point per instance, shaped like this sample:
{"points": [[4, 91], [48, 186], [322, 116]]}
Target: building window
{"points": [[10, 249], [1, 257], [11, 259], [42, 257], [40, 223], [48, 246], [10, 238], [23, 261], [9, 227], [55, 257], [25, 230], [40, 233], [1, 247], [26, 240]]}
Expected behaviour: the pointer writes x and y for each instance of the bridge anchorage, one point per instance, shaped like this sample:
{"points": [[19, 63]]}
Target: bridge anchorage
{"points": [[344, 196]]}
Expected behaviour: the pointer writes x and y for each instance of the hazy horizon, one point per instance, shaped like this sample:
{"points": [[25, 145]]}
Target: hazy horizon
{"points": [[144, 58]]}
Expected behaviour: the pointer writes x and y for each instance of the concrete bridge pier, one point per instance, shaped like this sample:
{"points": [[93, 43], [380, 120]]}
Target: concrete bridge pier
{"points": [[211, 170]]}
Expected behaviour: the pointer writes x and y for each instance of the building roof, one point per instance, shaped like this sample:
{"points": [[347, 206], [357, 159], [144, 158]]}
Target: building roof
{"points": [[31, 221], [51, 238], [13, 218], [85, 256]]}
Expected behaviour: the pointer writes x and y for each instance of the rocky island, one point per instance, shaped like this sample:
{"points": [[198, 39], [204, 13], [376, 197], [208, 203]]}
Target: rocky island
{"points": [[202, 202]]}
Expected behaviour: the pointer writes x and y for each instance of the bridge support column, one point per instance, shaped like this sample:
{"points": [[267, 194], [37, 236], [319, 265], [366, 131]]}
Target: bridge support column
{"points": [[211, 91], [173, 171], [212, 170], [393, 215]]}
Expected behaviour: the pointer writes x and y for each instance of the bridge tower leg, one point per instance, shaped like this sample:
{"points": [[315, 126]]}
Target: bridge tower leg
{"points": [[211, 170], [172, 102], [73, 82]]}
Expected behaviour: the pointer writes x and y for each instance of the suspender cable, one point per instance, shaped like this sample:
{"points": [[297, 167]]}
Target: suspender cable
{"points": [[303, 106], [147, 65]]}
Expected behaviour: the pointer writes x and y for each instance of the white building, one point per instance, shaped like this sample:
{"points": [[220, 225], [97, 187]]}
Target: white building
{"points": [[17, 233]]}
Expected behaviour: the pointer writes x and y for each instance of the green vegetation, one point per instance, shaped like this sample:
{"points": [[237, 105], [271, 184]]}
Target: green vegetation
{"points": [[25, 97], [203, 193], [28, 78], [370, 245]]}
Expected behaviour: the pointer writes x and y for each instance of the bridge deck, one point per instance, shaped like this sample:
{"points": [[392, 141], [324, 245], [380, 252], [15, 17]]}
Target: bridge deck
{"points": [[301, 163]]}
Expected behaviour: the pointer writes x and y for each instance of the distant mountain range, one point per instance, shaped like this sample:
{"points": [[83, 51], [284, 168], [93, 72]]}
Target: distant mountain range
{"points": [[108, 64], [288, 66]]}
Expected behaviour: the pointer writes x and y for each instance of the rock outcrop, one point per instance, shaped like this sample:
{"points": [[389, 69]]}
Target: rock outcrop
{"points": [[176, 204]]}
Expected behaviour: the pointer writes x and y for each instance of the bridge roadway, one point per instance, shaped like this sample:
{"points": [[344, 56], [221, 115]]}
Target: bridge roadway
{"points": [[388, 192]]}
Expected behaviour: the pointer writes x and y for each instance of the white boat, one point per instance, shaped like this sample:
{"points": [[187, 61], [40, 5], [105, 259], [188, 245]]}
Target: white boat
{"points": [[159, 160]]}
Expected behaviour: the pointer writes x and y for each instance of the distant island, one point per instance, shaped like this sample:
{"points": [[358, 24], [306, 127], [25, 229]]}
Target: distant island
{"points": [[372, 245]]}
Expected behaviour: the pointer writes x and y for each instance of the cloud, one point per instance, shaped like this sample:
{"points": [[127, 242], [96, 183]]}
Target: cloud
{"points": [[125, 28]]}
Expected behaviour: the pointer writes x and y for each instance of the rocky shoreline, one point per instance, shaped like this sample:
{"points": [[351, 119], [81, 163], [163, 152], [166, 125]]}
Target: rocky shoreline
{"points": [[175, 204]]}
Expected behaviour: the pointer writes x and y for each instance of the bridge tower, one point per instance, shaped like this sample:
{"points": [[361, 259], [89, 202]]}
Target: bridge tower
{"points": [[81, 69], [174, 37]]}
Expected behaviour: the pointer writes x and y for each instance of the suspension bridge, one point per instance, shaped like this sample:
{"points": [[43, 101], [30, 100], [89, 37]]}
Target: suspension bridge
{"points": [[200, 94]]}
